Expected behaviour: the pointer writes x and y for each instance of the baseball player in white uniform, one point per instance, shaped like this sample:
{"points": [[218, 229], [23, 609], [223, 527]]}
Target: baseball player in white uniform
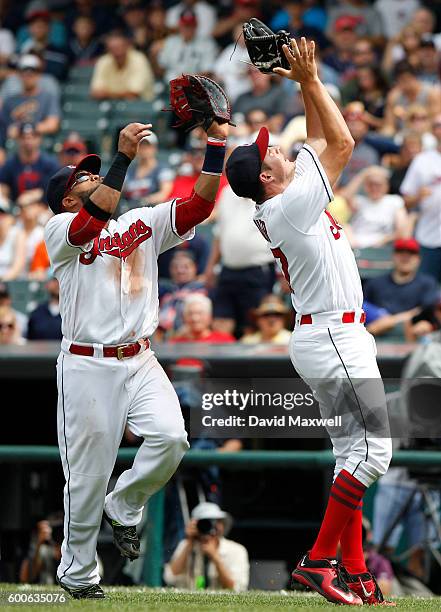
{"points": [[330, 347], [107, 375]]}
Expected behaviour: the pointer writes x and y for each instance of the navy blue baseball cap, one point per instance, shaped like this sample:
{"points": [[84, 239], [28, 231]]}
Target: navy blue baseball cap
{"points": [[244, 166], [61, 181]]}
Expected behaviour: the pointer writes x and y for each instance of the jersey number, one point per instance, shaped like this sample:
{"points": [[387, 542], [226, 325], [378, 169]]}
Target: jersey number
{"points": [[278, 254], [334, 227]]}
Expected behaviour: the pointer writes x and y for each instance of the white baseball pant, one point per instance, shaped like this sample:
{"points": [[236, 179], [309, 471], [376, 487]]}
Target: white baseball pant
{"points": [[96, 399], [332, 356]]}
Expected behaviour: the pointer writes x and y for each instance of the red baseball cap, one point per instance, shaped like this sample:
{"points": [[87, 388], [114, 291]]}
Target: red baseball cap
{"points": [[407, 244], [188, 17], [346, 22]]}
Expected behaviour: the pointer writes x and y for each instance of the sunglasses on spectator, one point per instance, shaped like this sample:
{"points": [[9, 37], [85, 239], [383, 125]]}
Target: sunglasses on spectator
{"points": [[418, 117], [80, 177], [6, 326]]}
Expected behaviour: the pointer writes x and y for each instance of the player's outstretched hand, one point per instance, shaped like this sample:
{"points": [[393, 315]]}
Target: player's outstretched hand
{"points": [[303, 67], [218, 130], [131, 136]]}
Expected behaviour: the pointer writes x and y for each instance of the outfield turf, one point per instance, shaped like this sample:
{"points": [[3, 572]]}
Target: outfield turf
{"points": [[128, 599]]}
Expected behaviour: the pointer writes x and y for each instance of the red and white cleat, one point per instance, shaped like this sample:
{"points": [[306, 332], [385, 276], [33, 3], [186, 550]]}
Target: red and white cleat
{"points": [[323, 576], [366, 588]]}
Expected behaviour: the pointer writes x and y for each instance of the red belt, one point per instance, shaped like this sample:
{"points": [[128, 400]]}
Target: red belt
{"points": [[120, 352], [347, 317]]}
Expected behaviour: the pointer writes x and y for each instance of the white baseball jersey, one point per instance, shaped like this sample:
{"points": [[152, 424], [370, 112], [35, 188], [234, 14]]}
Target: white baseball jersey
{"points": [[109, 287], [309, 245]]}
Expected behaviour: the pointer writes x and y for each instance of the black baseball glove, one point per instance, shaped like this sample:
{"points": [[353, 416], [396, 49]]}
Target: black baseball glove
{"points": [[264, 46], [197, 100]]}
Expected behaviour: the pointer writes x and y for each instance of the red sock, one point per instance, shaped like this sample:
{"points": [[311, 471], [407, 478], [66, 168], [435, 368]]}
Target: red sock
{"points": [[344, 499], [351, 543]]}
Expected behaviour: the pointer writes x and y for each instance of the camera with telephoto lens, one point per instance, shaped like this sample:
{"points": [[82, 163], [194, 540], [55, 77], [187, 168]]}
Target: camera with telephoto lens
{"points": [[206, 527]]}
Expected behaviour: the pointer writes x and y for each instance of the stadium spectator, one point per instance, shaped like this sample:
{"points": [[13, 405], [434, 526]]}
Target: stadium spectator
{"points": [[364, 154], [102, 17], [380, 322], [122, 73], [198, 321], [206, 558], [185, 52], [198, 249], [29, 167], [72, 150], [238, 12], [6, 301], [39, 42], [231, 68], [40, 264], [44, 554], [12, 84], [405, 288], [7, 44], [147, 181], [367, 20], [378, 217], [395, 15], [410, 148], [369, 87], [404, 46], [424, 323], [45, 320], [205, 15], [183, 282], [30, 204], [408, 89], [9, 327], [297, 27], [247, 266], [417, 119], [339, 56], [83, 46], [270, 318], [265, 95], [133, 13], [188, 173], [424, 22], [12, 245], [422, 186], [428, 61], [32, 105]]}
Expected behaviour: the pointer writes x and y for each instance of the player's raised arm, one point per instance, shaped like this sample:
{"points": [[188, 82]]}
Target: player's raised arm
{"points": [[340, 143]]}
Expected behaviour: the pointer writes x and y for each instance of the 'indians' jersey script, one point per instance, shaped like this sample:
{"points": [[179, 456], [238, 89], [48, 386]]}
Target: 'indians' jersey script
{"points": [[109, 287], [310, 247]]}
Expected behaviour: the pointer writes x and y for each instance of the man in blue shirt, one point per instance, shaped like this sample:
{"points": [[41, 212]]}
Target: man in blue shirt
{"points": [[45, 320], [404, 288], [29, 168]]}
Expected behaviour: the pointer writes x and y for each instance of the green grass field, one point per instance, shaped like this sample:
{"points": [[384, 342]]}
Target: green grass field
{"points": [[127, 599]]}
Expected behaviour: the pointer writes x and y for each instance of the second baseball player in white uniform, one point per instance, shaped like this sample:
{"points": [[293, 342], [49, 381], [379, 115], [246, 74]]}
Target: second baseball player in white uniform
{"points": [[107, 376], [330, 345]]}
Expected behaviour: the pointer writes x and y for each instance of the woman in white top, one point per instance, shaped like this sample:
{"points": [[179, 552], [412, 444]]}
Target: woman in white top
{"points": [[12, 246], [378, 217]]}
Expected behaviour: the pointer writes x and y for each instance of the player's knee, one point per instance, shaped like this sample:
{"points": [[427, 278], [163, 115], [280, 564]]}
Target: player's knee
{"points": [[381, 458]]}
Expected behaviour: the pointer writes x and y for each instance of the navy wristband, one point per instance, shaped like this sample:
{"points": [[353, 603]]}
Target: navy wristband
{"points": [[95, 211], [214, 157], [117, 171]]}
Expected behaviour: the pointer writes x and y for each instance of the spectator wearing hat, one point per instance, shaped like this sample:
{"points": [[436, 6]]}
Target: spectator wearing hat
{"points": [[185, 52], [197, 326], [172, 295], [12, 245], [422, 187], [13, 83], [364, 154], [367, 20], [247, 266], [270, 318], [148, 182], [378, 217], [33, 105], [428, 65], [340, 56], [45, 320], [405, 288], [29, 167], [122, 73], [206, 558], [205, 14], [6, 301], [83, 46], [42, 41], [408, 90], [72, 150]]}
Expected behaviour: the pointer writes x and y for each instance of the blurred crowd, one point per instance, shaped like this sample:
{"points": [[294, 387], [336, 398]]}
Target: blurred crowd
{"points": [[379, 60]]}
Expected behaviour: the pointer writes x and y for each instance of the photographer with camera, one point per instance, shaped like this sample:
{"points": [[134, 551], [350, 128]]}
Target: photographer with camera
{"points": [[205, 559], [44, 551]]}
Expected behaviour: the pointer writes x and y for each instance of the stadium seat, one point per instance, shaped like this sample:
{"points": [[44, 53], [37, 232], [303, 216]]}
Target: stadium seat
{"points": [[26, 295], [80, 74], [373, 261], [76, 91]]}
